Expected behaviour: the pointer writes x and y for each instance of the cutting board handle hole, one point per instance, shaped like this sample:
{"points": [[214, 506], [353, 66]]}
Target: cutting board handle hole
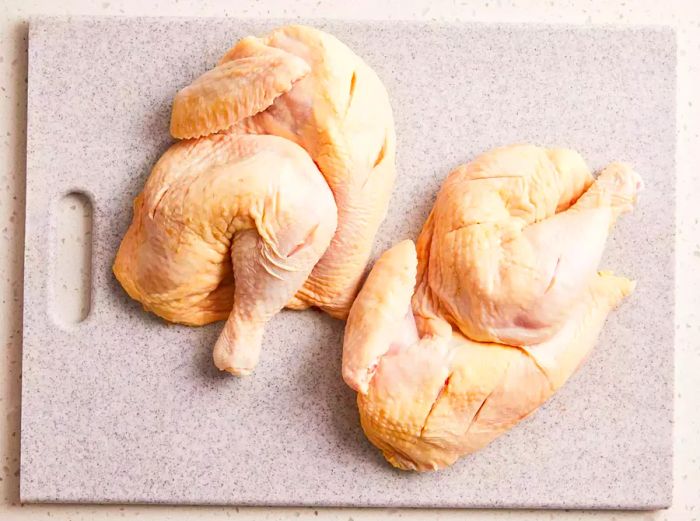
{"points": [[72, 277]]}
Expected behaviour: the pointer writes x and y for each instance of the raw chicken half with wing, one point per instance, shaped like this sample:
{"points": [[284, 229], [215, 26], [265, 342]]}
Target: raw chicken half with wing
{"points": [[453, 341], [274, 196]]}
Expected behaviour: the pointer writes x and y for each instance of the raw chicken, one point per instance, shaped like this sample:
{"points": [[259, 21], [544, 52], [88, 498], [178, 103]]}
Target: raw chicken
{"points": [[223, 207], [451, 343], [294, 148], [304, 85]]}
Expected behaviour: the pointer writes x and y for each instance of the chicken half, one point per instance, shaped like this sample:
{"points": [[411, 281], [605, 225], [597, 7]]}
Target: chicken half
{"points": [[306, 86], [227, 227], [287, 168], [452, 342]]}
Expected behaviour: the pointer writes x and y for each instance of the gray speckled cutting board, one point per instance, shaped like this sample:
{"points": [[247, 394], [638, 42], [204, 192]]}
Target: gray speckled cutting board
{"points": [[123, 407]]}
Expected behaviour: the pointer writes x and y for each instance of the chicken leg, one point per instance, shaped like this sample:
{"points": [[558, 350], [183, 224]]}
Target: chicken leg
{"points": [[526, 253], [227, 226]]}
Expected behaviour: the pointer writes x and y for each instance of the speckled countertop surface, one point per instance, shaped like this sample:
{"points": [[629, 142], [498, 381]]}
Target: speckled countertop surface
{"points": [[683, 15]]}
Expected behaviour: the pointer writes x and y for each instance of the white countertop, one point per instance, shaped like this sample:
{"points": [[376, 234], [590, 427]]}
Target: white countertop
{"points": [[684, 15]]}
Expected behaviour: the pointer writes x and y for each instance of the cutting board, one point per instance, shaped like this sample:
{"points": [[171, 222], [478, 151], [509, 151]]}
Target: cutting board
{"points": [[123, 407]]}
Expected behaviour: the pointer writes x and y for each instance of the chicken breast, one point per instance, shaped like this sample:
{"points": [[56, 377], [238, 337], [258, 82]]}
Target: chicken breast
{"points": [[452, 343], [306, 86], [227, 208]]}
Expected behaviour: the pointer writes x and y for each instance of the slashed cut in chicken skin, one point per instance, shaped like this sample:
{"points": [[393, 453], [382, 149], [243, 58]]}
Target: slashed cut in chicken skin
{"points": [[254, 209], [453, 341], [306, 86]]}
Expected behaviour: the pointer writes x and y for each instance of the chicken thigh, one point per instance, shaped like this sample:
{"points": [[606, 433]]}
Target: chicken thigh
{"points": [[452, 342]]}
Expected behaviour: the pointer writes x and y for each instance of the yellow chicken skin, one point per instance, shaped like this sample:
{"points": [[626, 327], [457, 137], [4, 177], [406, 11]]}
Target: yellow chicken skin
{"points": [[453, 341], [219, 209], [306, 86]]}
